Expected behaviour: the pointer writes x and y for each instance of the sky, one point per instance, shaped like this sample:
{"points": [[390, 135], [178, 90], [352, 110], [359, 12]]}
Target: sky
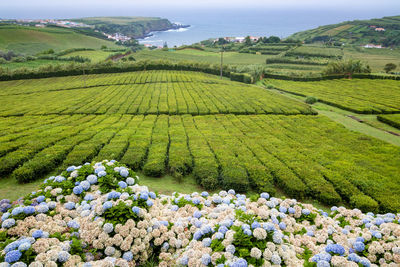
{"points": [[395, 4], [79, 8]]}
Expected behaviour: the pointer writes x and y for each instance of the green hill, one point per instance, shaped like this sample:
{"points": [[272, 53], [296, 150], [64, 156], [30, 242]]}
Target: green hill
{"points": [[130, 26], [356, 32], [32, 40]]}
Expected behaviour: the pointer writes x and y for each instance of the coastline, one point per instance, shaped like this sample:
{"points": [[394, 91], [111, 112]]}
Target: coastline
{"points": [[174, 27]]}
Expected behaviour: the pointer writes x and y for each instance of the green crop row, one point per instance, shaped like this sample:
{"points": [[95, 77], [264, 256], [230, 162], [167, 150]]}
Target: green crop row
{"points": [[164, 92], [392, 120], [356, 95], [304, 156]]}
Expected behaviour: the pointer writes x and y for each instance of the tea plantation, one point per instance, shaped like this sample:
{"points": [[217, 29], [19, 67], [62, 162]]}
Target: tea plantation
{"points": [[357, 95], [226, 134]]}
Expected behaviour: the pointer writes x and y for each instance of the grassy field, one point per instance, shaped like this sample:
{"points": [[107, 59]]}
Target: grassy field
{"points": [[32, 64], [375, 58], [357, 95], [248, 152], [94, 56], [230, 58], [31, 40]]}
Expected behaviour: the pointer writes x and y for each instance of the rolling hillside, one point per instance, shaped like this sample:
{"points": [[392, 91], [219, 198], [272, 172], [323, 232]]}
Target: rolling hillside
{"points": [[384, 31], [31, 40], [130, 26]]}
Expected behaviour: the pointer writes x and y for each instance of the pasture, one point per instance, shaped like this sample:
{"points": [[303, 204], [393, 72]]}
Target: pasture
{"points": [[222, 133], [31, 40], [356, 95]]}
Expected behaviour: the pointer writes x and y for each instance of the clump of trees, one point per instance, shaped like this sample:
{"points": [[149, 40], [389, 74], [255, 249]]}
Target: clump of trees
{"points": [[348, 67], [390, 67]]}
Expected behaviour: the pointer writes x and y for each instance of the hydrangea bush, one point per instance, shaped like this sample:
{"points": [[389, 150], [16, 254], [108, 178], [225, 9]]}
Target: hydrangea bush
{"points": [[98, 215]]}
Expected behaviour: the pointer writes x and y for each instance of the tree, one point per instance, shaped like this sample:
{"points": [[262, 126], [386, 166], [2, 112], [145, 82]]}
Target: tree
{"points": [[347, 67], [247, 40], [390, 67], [103, 47]]}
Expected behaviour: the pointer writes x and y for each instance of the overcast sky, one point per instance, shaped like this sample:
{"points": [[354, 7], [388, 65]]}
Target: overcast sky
{"points": [[361, 9], [395, 4]]}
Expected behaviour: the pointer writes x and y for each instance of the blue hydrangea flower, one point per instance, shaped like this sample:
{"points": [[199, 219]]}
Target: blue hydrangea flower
{"points": [[107, 205], [220, 235], [198, 224], [197, 214], [52, 205], [122, 184], [69, 205], [124, 173], [136, 210], [5, 216], [197, 235], [37, 234], [17, 211], [206, 242], [240, 263], [101, 174], [13, 256], [310, 233], [77, 190], [365, 262], [108, 228], [165, 246], [89, 197], [231, 249], [264, 195], [206, 259], [24, 246], [128, 256], [184, 260], [354, 257], [291, 210], [144, 195], [130, 181], [59, 179], [29, 210], [223, 229], [71, 168], [92, 179], [275, 259], [196, 201], [8, 223], [282, 225], [282, 209], [42, 208], [149, 203], [247, 232], [73, 224], [40, 199], [323, 264], [335, 249], [255, 225], [204, 194], [85, 185], [63, 256], [277, 238], [305, 211]]}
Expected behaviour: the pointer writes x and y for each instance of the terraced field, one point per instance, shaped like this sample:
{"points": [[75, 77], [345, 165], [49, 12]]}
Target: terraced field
{"points": [[356, 95], [152, 92], [392, 120], [233, 143]]}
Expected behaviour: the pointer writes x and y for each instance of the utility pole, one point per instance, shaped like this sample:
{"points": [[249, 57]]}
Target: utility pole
{"points": [[84, 78], [222, 59]]}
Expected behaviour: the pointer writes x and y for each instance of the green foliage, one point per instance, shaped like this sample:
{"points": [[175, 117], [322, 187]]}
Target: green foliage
{"points": [[120, 213], [216, 245], [311, 100], [347, 67], [389, 67]]}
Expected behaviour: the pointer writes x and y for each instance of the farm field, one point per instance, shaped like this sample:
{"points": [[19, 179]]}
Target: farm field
{"points": [[392, 120], [225, 134], [152, 92], [243, 152], [230, 58], [357, 95], [94, 56], [31, 40]]}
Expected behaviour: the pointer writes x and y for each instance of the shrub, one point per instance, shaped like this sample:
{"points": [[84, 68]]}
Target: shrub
{"points": [[347, 67], [311, 100]]}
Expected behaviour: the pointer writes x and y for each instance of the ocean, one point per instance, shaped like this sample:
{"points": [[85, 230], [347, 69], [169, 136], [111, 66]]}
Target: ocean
{"points": [[215, 22]]}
